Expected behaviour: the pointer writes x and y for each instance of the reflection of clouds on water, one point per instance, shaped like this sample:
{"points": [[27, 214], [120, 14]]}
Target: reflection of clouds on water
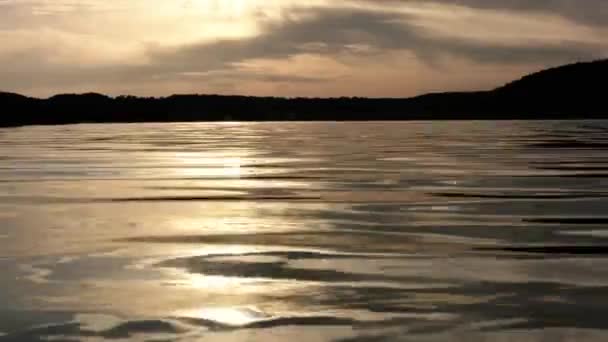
{"points": [[86, 327], [171, 329], [97, 322], [228, 316], [591, 233], [310, 230], [36, 274]]}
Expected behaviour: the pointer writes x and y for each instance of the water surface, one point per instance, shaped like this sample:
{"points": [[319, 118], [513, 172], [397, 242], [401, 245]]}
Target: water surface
{"points": [[416, 231]]}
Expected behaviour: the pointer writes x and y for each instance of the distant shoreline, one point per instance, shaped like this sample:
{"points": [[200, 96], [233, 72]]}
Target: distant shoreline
{"points": [[328, 121], [569, 92]]}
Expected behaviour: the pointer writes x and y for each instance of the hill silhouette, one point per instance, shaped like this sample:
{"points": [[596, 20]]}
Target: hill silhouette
{"points": [[566, 92]]}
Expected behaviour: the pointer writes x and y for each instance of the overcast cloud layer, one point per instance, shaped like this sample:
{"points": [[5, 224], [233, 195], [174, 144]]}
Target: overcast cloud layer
{"points": [[289, 47]]}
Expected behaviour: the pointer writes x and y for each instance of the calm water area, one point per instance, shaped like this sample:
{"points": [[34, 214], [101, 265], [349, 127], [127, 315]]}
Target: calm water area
{"points": [[385, 231]]}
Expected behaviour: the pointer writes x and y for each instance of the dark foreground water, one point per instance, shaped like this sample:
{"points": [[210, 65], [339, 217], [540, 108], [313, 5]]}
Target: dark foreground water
{"points": [[418, 231]]}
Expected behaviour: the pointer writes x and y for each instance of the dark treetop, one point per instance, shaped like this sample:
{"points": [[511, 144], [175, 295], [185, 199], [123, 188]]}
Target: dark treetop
{"points": [[567, 92]]}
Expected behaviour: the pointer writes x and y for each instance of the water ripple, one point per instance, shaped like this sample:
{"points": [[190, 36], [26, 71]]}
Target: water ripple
{"points": [[413, 231]]}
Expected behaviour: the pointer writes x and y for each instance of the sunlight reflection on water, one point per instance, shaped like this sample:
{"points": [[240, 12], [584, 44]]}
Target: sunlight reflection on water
{"points": [[318, 231]]}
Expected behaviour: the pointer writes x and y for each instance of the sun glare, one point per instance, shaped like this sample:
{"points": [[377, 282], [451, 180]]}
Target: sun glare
{"points": [[222, 8]]}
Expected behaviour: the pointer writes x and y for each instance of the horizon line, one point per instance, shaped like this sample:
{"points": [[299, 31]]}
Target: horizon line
{"points": [[305, 97]]}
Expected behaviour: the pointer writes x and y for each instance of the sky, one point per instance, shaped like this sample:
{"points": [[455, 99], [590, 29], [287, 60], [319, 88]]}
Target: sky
{"points": [[312, 48]]}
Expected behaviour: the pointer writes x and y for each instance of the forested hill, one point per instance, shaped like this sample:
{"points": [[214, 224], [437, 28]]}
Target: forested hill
{"points": [[571, 91]]}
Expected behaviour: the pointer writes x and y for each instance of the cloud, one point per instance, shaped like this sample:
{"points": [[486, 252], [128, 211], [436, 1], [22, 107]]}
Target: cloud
{"points": [[589, 12], [339, 31], [345, 40]]}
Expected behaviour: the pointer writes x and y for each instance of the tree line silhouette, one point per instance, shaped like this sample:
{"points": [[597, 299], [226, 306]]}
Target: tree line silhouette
{"points": [[566, 92]]}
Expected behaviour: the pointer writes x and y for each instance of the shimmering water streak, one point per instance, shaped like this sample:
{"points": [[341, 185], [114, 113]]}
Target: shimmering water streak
{"points": [[320, 231]]}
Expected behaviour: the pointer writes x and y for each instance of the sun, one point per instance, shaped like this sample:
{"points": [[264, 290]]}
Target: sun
{"points": [[222, 8]]}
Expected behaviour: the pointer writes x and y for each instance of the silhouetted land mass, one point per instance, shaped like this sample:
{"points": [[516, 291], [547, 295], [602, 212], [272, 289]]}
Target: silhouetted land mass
{"points": [[569, 92]]}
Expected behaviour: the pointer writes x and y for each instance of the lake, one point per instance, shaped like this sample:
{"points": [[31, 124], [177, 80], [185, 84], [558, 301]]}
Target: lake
{"points": [[385, 231]]}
